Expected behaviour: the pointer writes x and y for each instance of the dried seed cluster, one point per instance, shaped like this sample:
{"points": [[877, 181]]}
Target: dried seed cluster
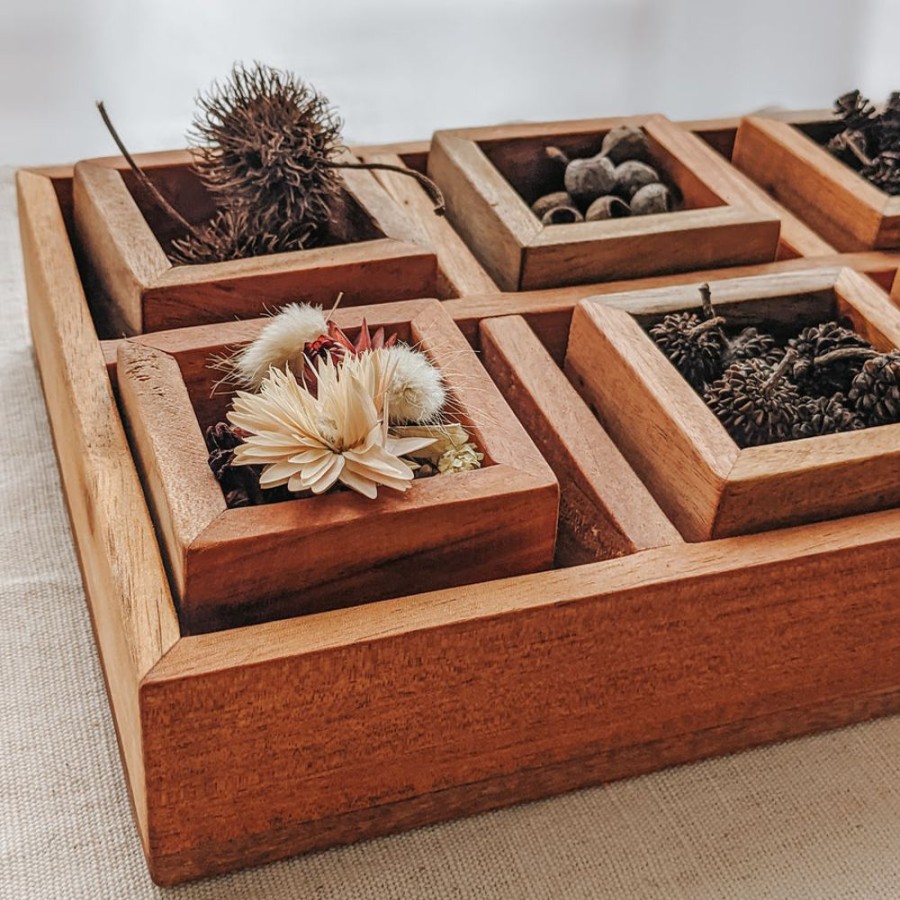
{"points": [[869, 141], [619, 181], [824, 380]]}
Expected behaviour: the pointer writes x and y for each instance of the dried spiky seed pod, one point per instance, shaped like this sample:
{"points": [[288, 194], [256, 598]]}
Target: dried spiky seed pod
{"points": [[755, 402], [544, 204], [650, 200], [817, 343], [631, 176], [825, 415], [262, 140], [875, 391], [625, 142], [235, 233], [751, 343], [608, 207], [693, 346]]}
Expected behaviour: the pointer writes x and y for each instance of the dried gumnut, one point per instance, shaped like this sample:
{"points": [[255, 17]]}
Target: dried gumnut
{"points": [[625, 142], [550, 201], [650, 199], [561, 215], [588, 179], [632, 175], [608, 207]]}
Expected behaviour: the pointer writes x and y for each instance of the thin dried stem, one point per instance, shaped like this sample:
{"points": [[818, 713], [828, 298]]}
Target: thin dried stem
{"points": [[142, 176], [433, 191]]}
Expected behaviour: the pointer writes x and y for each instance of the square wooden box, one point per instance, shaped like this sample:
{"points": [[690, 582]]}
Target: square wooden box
{"points": [[788, 160], [707, 484], [385, 254], [249, 745], [489, 177], [233, 567]]}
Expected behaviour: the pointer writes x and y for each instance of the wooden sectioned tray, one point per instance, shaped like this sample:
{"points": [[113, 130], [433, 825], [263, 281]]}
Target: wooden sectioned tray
{"points": [[250, 744]]}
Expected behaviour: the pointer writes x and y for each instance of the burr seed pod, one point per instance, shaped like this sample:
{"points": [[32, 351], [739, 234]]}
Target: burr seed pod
{"points": [[651, 199], [625, 142], [588, 179], [561, 215], [631, 176], [544, 204], [608, 207]]}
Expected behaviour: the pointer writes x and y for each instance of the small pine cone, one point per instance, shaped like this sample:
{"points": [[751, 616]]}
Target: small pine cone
{"points": [[240, 484], [234, 233], [825, 415], [884, 172], [816, 342], [755, 402], [854, 110], [693, 346], [888, 127], [753, 344], [875, 392]]}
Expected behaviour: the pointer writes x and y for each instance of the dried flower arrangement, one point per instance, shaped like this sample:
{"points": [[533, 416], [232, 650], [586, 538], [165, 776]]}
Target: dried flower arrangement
{"points": [[267, 146], [316, 409], [617, 182], [869, 140], [824, 380]]}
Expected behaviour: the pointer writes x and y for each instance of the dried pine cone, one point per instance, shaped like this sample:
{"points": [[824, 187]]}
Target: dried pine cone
{"points": [[825, 415], [235, 234], [240, 484], [819, 341], [755, 402], [875, 392], [262, 140], [751, 343], [884, 172], [693, 346], [854, 110]]}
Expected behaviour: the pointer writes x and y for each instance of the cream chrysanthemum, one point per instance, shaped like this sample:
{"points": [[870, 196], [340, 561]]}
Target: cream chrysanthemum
{"points": [[280, 343], [313, 442]]}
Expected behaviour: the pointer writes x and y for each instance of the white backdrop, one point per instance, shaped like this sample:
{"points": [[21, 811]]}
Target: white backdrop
{"points": [[398, 69]]}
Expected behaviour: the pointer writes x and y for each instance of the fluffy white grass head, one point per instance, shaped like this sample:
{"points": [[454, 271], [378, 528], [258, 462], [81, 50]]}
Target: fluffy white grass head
{"points": [[280, 343], [415, 389]]}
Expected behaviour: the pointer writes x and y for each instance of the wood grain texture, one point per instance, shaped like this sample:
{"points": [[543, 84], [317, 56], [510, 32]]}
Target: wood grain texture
{"points": [[366, 272], [483, 207], [490, 175], [130, 604], [522, 687], [605, 510], [676, 446], [669, 435], [796, 238], [379, 252], [841, 205], [237, 566], [549, 312], [459, 273], [118, 243]]}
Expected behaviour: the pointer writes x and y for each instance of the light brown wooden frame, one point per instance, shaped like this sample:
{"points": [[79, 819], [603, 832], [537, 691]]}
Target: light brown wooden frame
{"points": [[251, 745], [309, 555], [145, 292], [605, 510], [850, 212], [707, 485], [734, 225]]}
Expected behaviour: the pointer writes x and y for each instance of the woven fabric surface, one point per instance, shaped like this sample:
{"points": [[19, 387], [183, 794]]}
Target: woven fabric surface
{"points": [[814, 818]]}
